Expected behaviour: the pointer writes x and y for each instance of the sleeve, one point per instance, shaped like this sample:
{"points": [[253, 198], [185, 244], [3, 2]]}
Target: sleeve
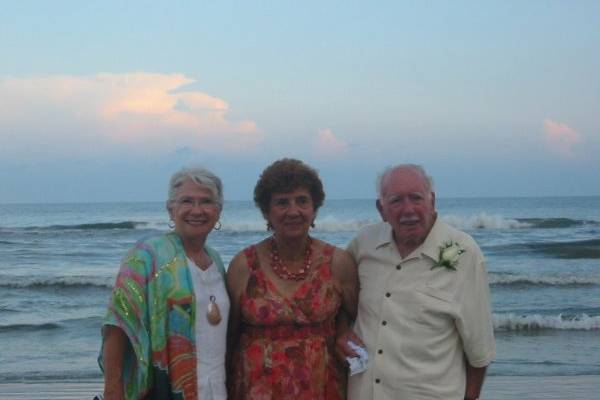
{"points": [[474, 323], [128, 310]]}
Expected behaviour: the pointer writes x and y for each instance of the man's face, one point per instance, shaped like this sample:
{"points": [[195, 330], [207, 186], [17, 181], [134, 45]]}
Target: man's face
{"points": [[408, 205]]}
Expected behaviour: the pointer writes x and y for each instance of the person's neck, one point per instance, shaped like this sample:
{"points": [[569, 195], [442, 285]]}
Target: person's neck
{"points": [[193, 247], [291, 249]]}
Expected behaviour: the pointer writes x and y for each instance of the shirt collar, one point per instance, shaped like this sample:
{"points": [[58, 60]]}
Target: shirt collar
{"points": [[431, 246], [385, 236]]}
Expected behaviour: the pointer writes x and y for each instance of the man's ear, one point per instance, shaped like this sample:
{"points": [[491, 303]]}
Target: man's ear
{"points": [[380, 209]]}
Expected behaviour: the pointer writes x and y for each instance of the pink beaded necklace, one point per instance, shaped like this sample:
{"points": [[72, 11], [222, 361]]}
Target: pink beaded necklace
{"points": [[282, 271]]}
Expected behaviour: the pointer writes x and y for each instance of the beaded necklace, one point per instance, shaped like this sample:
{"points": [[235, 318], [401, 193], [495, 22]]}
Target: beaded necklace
{"points": [[282, 271]]}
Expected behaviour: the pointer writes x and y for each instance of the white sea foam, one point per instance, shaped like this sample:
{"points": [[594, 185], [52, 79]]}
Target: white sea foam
{"points": [[484, 221], [535, 322], [325, 224], [333, 224], [60, 281], [549, 280]]}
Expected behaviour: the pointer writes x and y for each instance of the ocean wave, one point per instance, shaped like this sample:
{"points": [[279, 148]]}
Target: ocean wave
{"points": [[549, 280], [553, 223], [484, 221], [92, 376], [98, 226], [537, 322], [46, 326], [333, 224], [325, 224], [18, 282], [577, 249], [49, 326], [487, 221]]}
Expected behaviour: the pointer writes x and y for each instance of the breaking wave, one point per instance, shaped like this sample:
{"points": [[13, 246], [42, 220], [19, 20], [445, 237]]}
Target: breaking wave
{"points": [[547, 280], [537, 322], [56, 282]]}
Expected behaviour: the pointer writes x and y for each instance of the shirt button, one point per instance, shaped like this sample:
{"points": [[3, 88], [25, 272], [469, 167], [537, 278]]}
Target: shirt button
{"points": [[384, 323], [388, 294], [398, 267], [377, 380], [380, 351]]}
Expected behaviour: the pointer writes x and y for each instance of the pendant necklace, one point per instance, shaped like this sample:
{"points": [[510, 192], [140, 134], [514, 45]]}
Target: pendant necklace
{"points": [[213, 315]]}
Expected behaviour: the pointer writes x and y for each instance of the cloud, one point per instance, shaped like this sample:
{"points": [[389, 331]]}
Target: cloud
{"points": [[561, 138], [54, 116], [328, 145]]}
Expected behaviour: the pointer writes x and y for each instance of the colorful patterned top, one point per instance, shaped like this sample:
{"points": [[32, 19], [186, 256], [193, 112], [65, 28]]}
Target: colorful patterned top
{"points": [[153, 303], [286, 348]]}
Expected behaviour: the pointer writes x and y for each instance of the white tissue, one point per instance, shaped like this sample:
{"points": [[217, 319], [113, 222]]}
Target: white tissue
{"points": [[357, 364]]}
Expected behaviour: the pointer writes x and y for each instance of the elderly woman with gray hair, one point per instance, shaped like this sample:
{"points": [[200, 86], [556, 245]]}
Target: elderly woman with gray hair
{"points": [[164, 336]]}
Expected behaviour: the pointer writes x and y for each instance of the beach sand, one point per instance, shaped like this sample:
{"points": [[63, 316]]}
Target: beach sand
{"points": [[585, 387]]}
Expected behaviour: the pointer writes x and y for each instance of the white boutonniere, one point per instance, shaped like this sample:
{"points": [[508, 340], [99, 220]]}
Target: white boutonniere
{"points": [[449, 254]]}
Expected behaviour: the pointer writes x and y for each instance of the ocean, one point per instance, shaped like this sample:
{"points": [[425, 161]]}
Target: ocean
{"points": [[59, 261]]}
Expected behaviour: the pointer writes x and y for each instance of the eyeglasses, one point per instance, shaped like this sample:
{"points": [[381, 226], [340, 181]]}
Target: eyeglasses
{"points": [[190, 202]]}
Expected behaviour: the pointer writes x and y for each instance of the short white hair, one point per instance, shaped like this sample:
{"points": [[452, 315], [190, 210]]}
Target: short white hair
{"points": [[199, 175], [388, 170]]}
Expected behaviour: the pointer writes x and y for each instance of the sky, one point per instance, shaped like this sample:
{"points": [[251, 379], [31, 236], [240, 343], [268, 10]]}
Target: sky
{"points": [[103, 101]]}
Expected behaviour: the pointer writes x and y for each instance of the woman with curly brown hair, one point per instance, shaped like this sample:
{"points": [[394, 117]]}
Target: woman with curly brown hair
{"points": [[290, 293]]}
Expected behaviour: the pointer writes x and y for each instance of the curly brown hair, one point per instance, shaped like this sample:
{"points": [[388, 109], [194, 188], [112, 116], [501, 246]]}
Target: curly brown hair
{"points": [[284, 176]]}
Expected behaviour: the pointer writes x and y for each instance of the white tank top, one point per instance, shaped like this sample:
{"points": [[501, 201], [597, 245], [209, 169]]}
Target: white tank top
{"points": [[211, 340]]}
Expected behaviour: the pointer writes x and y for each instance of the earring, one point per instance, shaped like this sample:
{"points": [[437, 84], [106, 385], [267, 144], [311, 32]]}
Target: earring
{"points": [[217, 226], [312, 224], [171, 224], [269, 226]]}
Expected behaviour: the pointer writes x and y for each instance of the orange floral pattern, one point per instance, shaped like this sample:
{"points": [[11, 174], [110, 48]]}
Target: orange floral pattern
{"points": [[286, 346]]}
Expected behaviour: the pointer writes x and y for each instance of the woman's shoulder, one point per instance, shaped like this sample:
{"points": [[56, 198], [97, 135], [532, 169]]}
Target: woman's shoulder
{"points": [[158, 248], [158, 240]]}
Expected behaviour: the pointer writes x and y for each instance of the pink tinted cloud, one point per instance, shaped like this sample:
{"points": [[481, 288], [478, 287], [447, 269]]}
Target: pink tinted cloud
{"points": [[329, 145], [116, 112], [561, 138]]}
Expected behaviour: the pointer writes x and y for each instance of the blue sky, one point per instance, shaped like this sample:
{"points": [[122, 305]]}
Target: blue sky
{"points": [[102, 101]]}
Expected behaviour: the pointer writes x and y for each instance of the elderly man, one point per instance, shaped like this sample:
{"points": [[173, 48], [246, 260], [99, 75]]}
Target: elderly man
{"points": [[424, 307]]}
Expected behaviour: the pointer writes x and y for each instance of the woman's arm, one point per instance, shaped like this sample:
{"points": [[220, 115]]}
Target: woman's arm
{"points": [[115, 343], [345, 273], [237, 280]]}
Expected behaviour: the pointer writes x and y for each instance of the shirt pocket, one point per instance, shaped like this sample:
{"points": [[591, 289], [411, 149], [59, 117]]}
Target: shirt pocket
{"points": [[437, 308]]}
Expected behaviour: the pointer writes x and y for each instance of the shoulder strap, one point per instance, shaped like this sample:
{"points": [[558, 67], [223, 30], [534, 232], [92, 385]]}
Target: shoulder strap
{"points": [[212, 253]]}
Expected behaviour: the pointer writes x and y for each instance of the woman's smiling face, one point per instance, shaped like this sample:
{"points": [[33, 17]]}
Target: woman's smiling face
{"points": [[195, 211], [291, 214]]}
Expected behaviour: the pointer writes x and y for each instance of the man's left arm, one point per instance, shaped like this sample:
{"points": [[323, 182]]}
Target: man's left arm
{"points": [[475, 326], [475, 378]]}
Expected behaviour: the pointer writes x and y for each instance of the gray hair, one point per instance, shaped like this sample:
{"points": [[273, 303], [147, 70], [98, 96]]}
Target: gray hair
{"points": [[199, 175], [387, 171]]}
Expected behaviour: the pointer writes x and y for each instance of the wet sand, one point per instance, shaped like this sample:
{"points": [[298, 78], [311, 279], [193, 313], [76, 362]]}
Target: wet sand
{"points": [[583, 387]]}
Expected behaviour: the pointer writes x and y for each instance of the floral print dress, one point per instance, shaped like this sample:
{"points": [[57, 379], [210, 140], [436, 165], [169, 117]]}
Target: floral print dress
{"points": [[286, 348]]}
